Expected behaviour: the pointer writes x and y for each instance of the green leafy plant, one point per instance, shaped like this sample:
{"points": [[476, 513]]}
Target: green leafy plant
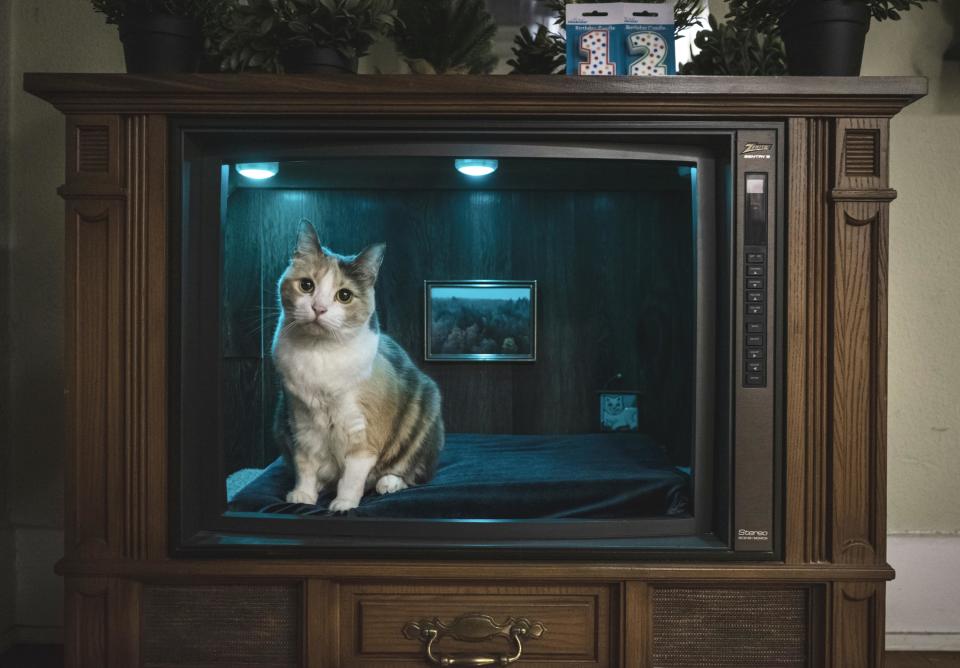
{"points": [[736, 50], [446, 36], [765, 15], [254, 33], [208, 13], [542, 53], [686, 13]]}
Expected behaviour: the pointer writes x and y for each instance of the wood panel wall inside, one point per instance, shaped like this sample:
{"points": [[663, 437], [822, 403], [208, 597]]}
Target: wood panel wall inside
{"points": [[616, 296]]}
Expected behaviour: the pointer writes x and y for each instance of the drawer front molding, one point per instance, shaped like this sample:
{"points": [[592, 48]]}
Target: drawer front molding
{"points": [[574, 626]]}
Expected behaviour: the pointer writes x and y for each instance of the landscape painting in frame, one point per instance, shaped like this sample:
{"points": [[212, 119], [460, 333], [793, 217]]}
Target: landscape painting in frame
{"points": [[480, 321]]}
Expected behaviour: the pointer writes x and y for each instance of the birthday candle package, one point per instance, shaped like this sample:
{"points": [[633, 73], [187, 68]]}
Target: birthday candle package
{"points": [[594, 46], [627, 38]]}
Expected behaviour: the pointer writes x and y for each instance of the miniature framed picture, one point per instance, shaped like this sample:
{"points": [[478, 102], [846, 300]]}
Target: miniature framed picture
{"points": [[619, 411], [480, 321]]}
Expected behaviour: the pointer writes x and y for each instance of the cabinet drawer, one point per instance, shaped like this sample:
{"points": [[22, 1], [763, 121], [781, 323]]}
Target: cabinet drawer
{"points": [[576, 620]]}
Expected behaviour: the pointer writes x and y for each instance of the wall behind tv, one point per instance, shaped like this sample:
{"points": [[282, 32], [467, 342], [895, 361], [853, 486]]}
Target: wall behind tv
{"points": [[8, 579], [52, 35], [923, 609], [924, 430]]}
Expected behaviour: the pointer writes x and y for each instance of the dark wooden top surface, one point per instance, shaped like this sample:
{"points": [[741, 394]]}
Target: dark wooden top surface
{"points": [[478, 96]]}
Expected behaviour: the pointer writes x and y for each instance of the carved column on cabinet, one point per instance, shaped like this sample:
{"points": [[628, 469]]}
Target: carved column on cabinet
{"points": [[102, 623], [858, 389], [95, 336], [836, 332], [858, 627], [115, 387], [116, 285], [859, 203]]}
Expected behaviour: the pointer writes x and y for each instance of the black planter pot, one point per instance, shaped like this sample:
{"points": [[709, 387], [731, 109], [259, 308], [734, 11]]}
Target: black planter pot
{"points": [[825, 38], [316, 60], [160, 44]]}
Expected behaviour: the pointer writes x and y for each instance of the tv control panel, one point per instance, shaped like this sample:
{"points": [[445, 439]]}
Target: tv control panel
{"points": [[756, 347]]}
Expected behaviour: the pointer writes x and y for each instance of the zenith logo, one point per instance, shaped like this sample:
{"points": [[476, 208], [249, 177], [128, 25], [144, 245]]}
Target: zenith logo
{"points": [[756, 151]]}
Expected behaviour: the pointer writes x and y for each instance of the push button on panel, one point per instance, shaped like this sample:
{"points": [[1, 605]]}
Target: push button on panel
{"points": [[755, 270], [755, 258], [754, 328], [754, 284], [754, 339]]}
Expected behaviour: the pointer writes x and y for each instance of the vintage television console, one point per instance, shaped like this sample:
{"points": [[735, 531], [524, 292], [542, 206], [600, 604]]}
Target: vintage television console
{"points": [[742, 229]]}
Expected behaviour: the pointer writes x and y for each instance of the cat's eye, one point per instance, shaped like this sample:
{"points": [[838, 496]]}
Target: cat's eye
{"points": [[344, 296], [306, 285]]}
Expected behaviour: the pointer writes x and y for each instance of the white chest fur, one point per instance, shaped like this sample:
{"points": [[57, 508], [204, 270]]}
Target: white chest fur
{"points": [[321, 379], [320, 370]]}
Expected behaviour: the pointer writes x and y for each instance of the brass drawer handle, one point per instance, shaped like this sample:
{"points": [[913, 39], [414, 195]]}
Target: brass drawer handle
{"points": [[473, 628]]}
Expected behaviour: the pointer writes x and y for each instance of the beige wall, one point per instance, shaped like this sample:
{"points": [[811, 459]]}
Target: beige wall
{"points": [[46, 35], [65, 35], [924, 357], [7, 554]]}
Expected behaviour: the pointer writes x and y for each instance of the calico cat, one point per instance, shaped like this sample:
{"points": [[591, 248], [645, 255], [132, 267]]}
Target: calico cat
{"points": [[354, 408]]}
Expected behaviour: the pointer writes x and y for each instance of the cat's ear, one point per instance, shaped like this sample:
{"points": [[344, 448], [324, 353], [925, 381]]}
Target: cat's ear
{"points": [[366, 266], [308, 242]]}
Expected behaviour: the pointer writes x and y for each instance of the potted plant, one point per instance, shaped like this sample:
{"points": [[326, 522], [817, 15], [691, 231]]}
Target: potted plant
{"points": [[446, 36], [162, 36], [729, 49], [822, 37], [542, 52], [304, 36]]}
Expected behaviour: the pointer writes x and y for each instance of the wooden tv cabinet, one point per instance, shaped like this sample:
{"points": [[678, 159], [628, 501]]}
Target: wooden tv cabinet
{"points": [[130, 603]]}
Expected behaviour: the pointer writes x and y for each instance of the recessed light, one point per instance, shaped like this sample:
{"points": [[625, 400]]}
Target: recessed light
{"points": [[258, 171], [476, 166]]}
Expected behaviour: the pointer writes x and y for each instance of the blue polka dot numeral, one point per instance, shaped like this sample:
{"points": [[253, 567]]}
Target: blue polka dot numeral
{"points": [[652, 49], [595, 46]]}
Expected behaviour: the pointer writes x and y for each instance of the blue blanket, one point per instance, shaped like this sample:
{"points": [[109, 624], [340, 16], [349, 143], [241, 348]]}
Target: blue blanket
{"points": [[490, 476]]}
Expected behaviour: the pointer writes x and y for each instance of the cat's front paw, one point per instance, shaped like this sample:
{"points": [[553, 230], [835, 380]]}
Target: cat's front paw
{"points": [[342, 505], [302, 496], [390, 483]]}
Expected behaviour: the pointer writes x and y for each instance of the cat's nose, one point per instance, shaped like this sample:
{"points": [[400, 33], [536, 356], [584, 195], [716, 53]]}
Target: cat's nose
{"points": [[319, 310]]}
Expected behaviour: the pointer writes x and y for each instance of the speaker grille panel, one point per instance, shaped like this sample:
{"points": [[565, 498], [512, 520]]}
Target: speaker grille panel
{"points": [[224, 625], [861, 150], [727, 628], [93, 148]]}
